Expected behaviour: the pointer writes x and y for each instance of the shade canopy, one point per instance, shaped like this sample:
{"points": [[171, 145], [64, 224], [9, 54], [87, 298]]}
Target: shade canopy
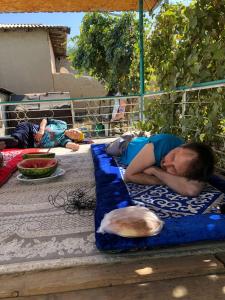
{"points": [[73, 5]]}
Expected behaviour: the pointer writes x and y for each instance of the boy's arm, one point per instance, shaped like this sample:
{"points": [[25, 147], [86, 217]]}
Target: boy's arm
{"points": [[143, 160], [181, 185], [141, 171], [41, 131]]}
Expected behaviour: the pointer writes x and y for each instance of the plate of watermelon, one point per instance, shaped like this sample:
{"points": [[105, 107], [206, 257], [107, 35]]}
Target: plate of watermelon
{"points": [[37, 169], [57, 173]]}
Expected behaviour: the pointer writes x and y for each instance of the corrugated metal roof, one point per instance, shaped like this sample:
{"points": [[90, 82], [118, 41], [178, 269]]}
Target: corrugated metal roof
{"points": [[57, 33], [33, 26]]}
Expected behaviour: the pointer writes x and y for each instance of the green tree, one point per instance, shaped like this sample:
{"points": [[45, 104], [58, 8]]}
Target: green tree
{"points": [[186, 46], [105, 48]]}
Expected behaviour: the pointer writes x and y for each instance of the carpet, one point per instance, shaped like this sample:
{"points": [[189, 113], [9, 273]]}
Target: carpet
{"points": [[32, 229], [167, 203]]}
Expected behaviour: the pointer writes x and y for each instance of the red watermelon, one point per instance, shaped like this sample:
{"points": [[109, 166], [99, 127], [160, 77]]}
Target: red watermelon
{"points": [[39, 155], [37, 167]]}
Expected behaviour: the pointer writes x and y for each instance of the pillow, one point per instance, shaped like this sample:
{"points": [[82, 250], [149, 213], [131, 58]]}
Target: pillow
{"points": [[131, 221]]}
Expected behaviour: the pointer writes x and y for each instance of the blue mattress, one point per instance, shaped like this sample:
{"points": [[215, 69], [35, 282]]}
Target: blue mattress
{"points": [[187, 219]]}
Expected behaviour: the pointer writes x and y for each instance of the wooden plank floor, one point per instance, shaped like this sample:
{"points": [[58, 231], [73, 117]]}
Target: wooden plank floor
{"points": [[142, 277], [210, 287]]}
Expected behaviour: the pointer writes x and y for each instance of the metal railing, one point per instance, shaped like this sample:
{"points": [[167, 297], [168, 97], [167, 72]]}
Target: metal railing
{"points": [[191, 104], [112, 116], [97, 117]]}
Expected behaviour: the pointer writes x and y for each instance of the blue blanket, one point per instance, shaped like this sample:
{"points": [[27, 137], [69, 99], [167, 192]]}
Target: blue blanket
{"points": [[187, 219]]}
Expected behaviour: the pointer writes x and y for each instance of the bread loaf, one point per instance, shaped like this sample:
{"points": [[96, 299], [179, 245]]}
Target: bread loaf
{"points": [[132, 221]]}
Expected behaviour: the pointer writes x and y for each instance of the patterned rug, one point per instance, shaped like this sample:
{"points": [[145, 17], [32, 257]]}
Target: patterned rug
{"points": [[33, 230], [185, 218], [167, 203]]}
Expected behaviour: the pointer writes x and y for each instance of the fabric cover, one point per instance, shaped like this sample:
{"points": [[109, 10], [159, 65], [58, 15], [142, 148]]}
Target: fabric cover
{"points": [[112, 193], [11, 157]]}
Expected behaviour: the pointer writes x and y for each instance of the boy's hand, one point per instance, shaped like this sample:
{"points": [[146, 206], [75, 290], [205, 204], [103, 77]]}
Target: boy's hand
{"points": [[38, 136], [72, 146]]}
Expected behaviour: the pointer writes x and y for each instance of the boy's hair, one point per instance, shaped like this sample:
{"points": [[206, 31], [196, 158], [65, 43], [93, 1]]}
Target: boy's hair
{"points": [[202, 167]]}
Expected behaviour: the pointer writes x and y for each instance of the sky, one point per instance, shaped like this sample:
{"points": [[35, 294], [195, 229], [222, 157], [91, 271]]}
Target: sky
{"points": [[72, 20]]}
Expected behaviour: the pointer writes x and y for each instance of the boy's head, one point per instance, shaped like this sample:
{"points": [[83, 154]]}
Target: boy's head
{"points": [[74, 134], [193, 160]]}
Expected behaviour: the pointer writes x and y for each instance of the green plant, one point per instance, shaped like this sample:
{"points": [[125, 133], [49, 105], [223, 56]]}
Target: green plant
{"points": [[105, 48], [186, 47]]}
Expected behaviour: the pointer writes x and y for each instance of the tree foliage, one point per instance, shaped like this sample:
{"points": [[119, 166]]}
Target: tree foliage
{"points": [[184, 45], [105, 48], [187, 46]]}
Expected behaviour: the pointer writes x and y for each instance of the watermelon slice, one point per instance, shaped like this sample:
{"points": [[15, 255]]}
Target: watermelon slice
{"points": [[39, 155], [37, 167]]}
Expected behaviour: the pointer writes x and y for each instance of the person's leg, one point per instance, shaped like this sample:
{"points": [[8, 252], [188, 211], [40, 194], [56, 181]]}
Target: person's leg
{"points": [[117, 147], [8, 142], [23, 133]]}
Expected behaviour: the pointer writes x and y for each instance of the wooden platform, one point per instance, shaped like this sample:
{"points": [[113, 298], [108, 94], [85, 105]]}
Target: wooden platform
{"points": [[184, 272], [176, 274]]}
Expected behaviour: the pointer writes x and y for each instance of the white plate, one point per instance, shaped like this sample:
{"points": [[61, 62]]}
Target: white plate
{"points": [[57, 173]]}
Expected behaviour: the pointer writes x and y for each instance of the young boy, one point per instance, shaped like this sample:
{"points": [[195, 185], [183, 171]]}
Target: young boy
{"points": [[50, 133], [165, 159]]}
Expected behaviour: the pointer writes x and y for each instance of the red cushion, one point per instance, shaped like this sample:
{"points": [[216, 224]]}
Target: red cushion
{"points": [[10, 159]]}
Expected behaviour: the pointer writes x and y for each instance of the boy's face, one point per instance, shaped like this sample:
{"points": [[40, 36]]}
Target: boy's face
{"points": [[177, 161]]}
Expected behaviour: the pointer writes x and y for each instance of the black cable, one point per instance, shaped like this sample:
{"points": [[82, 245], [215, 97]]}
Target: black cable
{"points": [[81, 201]]}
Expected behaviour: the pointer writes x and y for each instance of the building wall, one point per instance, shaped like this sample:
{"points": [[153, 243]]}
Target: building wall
{"points": [[84, 86], [52, 56], [25, 62], [28, 65]]}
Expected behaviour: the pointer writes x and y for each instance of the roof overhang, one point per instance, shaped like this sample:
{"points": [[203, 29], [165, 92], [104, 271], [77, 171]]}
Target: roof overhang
{"points": [[58, 34], [5, 92], [8, 6]]}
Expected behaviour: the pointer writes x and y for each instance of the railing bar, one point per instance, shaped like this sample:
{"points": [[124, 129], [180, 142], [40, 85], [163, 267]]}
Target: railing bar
{"points": [[37, 118], [66, 108], [182, 89], [100, 115], [72, 99], [96, 107], [188, 102]]}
